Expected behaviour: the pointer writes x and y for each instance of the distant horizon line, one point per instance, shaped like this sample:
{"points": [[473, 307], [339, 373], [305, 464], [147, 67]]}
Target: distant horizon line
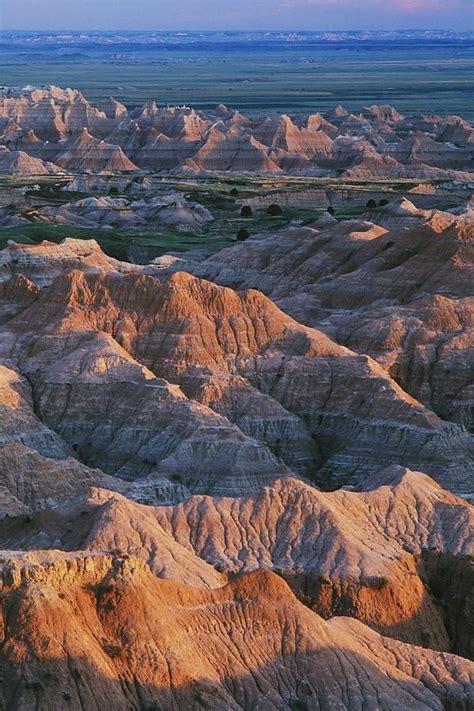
{"points": [[250, 31]]}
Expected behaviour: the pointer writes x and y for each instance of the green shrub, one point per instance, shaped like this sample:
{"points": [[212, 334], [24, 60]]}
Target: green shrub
{"points": [[243, 234], [274, 210], [371, 204], [246, 211]]}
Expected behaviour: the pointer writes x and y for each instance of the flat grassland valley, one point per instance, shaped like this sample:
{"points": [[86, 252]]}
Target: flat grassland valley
{"points": [[236, 371], [424, 72]]}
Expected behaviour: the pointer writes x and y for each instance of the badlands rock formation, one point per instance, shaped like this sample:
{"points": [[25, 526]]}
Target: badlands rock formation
{"points": [[208, 370], [275, 597], [103, 632], [24, 268], [52, 129], [52, 482], [161, 212], [392, 554], [239, 481], [21, 163], [397, 286], [332, 567], [86, 151]]}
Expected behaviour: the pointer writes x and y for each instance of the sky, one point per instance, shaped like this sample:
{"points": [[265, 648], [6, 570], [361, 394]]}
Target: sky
{"points": [[236, 14]]}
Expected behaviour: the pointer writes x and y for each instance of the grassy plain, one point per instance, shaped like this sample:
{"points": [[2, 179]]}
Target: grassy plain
{"points": [[145, 244], [420, 76], [215, 194]]}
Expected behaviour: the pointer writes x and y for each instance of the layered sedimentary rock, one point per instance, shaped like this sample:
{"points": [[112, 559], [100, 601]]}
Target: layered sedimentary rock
{"points": [[42, 263], [86, 395], [40, 482], [54, 114], [247, 644], [88, 154], [376, 554], [161, 212], [367, 553], [19, 163], [52, 124], [92, 343], [398, 287], [18, 422], [16, 293], [163, 542]]}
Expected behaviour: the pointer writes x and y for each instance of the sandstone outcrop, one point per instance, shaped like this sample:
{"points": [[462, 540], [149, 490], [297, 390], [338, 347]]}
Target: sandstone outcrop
{"points": [[88, 154], [18, 422], [161, 212], [42, 263], [53, 124], [39, 482], [21, 164], [81, 645], [161, 543], [93, 343], [398, 288], [317, 541], [237, 481]]}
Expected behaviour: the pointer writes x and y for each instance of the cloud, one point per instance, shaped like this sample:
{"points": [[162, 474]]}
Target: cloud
{"points": [[419, 5], [286, 5], [401, 6]]}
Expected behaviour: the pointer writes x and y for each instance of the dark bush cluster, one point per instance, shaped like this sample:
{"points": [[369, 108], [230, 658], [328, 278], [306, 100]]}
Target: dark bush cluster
{"points": [[274, 210], [242, 235]]}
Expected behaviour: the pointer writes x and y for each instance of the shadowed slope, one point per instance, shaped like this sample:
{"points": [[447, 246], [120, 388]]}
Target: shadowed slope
{"points": [[246, 644], [367, 554], [399, 291]]}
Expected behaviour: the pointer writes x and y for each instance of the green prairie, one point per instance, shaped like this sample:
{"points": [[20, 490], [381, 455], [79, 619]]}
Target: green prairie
{"points": [[417, 76]]}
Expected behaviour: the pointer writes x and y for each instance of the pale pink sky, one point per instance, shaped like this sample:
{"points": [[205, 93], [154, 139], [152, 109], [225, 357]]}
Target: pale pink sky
{"points": [[236, 14]]}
